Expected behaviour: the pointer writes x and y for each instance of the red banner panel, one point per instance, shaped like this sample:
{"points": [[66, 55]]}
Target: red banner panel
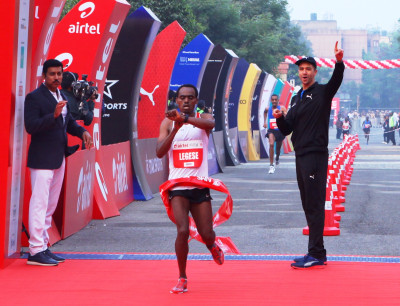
{"points": [[84, 41], [77, 201], [153, 102]]}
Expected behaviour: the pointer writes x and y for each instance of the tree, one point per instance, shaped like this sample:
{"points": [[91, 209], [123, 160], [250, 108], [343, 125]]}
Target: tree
{"points": [[381, 88]]}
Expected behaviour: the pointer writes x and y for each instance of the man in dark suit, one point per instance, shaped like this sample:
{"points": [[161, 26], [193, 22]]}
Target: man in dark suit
{"points": [[48, 120]]}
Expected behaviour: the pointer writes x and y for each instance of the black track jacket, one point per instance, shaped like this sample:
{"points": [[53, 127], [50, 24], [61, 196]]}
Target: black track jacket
{"points": [[308, 117]]}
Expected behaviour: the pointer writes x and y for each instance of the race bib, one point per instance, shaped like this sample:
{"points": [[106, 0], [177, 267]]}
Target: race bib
{"points": [[272, 124], [187, 154]]}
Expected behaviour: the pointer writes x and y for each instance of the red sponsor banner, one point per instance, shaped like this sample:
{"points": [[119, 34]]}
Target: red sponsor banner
{"points": [[336, 108], [8, 24], [152, 106], [84, 41], [77, 203], [156, 78], [222, 215], [117, 170], [284, 100], [46, 16]]}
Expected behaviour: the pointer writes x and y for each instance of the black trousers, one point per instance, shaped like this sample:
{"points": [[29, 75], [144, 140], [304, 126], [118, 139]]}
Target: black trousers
{"points": [[311, 171], [391, 136]]}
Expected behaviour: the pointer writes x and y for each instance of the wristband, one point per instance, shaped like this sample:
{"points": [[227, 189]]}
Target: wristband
{"points": [[186, 118]]}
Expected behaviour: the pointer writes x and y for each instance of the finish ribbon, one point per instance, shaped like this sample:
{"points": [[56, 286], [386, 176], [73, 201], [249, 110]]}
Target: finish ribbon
{"points": [[223, 213]]}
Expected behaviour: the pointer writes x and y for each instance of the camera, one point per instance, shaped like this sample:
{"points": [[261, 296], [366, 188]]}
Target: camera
{"points": [[83, 89]]}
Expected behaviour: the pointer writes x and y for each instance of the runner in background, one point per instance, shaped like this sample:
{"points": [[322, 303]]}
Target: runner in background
{"points": [[367, 128], [187, 129], [273, 133], [346, 126]]}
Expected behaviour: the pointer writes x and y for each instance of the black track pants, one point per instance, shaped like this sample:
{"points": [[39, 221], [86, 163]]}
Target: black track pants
{"points": [[311, 171]]}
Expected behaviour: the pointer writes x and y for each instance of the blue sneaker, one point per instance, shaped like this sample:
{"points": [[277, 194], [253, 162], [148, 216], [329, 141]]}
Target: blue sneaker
{"points": [[308, 262], [302, 258]]}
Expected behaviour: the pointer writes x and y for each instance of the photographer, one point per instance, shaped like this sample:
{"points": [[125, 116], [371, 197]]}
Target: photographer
{"points": [[76, 92]]}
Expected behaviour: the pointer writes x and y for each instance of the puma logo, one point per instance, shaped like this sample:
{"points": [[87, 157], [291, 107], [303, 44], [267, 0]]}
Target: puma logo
{"points": [[309, 96], [149, 94], [312, 176]]}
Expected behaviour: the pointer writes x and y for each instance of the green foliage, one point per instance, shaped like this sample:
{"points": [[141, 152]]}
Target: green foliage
{"points": [[68, 6], [381, 88], [170, 10]]}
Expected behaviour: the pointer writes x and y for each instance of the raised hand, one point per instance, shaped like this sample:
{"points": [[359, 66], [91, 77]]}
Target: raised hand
{"points": [[59, 108], [338, 53]]}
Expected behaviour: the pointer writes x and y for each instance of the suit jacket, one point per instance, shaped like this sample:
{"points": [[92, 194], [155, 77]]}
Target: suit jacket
{"points": [[49, 142]]}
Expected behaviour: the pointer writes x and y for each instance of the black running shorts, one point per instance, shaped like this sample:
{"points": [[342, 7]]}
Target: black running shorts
{"points": [[193, 195]]}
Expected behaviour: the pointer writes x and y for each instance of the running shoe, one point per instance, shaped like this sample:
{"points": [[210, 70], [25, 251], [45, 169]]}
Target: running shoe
{"points": [[181, 286], [303, 258], [308, 263], [277, 162], [271, 169], [217, 254]]}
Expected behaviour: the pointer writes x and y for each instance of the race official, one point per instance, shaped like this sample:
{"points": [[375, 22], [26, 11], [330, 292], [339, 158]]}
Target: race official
{"points": [[48, 120]]}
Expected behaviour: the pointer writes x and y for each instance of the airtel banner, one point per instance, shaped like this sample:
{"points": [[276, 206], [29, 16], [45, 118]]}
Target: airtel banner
{"points": [[47, 14], [84, 41]]}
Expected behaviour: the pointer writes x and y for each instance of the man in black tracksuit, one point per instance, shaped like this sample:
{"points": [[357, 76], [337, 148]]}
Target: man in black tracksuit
{"points": [[308, 119]]}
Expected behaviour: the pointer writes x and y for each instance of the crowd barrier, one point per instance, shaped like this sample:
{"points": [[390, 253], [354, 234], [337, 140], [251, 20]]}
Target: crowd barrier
{"points": [[340, 170]]}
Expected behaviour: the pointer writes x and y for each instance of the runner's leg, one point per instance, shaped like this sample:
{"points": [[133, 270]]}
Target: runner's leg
{"points": [[180, 207], [202, 215], [271, 138]]}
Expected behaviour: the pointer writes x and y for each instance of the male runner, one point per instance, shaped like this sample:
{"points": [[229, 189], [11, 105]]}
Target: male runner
{"points": [[273, 133], [190, 130]]}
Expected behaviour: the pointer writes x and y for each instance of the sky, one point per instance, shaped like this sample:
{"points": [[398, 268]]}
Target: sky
{"points": [[349, 14]]}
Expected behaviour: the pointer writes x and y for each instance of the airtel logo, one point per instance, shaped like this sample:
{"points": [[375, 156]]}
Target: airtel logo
{"points": [[84, 187], [85, 7], [65, 58]]}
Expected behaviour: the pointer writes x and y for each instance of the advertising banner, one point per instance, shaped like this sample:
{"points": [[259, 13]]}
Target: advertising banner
{"points": [[77, 204], [208, 94], [134, 45], [153, 104], [286, 97], [255, 109], [84, 41], [244, 114], [20, 58], [191, 62], [47, 14], [265, 100], [221, 110], [233, 106]]}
